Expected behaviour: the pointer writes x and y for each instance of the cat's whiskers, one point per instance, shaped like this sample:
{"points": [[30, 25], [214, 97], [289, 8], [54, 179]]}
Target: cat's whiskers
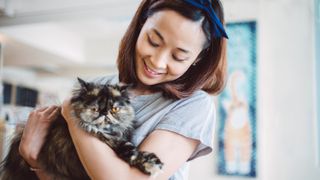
{"points": [[99, 120], [111, 118]]}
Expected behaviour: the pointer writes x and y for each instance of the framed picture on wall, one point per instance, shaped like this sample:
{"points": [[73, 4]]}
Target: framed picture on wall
{"points": [[237, 104]]}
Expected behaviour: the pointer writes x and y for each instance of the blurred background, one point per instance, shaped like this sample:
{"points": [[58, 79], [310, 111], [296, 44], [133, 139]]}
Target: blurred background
{"points": [[274, 62]]}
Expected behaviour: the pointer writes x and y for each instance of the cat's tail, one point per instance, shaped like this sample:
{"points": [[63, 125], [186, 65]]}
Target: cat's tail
{"points": [[13, 167]]}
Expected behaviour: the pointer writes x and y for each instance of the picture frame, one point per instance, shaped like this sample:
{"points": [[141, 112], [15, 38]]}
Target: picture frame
{"points": [[237, 104]]}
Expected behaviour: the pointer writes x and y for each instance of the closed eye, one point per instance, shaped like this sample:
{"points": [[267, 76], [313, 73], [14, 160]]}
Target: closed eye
{"points": [[152, 43], [178, 59]]}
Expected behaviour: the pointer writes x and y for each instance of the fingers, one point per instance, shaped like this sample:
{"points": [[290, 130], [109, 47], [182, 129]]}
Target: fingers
{"points": [[49, 113], [49, 110], [66, 102], [41, 109], [65, 107], [44, 114], [54, 114]]}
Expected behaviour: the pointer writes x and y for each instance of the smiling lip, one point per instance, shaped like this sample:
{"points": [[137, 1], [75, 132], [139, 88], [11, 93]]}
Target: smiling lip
{"points": [[149, 72]]}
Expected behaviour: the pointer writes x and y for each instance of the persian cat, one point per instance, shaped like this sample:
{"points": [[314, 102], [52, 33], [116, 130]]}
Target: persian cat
{"points": [[104, 111]]}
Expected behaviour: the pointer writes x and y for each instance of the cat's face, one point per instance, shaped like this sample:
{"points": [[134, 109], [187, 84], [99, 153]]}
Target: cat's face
{"points": [[92, 102], [89, 101], [119, 105]]}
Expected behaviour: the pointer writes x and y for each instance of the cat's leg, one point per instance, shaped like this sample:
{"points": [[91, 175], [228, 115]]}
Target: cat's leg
{"points": [[146, 162]]}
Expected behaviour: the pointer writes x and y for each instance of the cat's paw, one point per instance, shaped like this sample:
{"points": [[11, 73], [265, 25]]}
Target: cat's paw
{"points": [[92, 129], [150, 164]]}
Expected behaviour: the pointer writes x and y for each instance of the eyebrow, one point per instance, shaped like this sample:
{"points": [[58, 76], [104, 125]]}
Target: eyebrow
{"points": [[161, 37]]}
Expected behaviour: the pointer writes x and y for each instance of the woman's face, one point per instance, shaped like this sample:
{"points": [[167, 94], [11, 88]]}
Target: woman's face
{"points": [[167, 46]]}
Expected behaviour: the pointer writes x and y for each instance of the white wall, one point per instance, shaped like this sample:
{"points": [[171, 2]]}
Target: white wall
{"points": [[286, 118], [286, 90], [317, 68]]}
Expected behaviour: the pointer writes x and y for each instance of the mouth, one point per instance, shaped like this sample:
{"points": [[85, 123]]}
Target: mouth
{"points": [[150, 71]]}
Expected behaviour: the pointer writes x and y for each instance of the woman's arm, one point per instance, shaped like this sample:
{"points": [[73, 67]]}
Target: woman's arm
{"points": [[101, 162], [34, 135], [173, 149]]}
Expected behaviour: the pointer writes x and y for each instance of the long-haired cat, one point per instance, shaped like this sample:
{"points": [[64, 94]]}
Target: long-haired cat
{"points": [[102, 110]]}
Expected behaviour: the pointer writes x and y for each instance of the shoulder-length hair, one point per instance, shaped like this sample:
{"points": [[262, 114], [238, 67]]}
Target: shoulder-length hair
{"points": [[209, 72]]}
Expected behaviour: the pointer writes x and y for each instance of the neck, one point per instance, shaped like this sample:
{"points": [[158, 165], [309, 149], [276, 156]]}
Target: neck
{"points": [[140, 89]]}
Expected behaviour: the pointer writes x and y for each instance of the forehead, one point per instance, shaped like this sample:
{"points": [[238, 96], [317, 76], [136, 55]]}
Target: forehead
{"points": [[177, 29]]}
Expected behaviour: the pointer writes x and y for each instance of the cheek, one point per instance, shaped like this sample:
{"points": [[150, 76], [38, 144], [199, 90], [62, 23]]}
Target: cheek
{"points": [[178, 69], [138, 58], [142, 47], [138, 49]]}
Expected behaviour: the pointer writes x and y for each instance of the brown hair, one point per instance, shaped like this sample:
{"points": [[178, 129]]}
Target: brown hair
{"points": [[208, 73]]}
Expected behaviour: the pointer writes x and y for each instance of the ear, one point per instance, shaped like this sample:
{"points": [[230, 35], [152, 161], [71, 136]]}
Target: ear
{"points": [[82, 83]]}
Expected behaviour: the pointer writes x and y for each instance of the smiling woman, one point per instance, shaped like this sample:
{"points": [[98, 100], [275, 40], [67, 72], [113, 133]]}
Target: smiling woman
{"points": [[172, 55], [177, 43], [163, 51]]}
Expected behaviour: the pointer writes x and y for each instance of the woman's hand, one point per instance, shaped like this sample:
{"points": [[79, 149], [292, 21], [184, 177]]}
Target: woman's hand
{"points": [[66, 111], [34, 133]]}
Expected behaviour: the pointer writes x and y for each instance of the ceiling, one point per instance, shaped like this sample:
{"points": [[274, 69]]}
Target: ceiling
{"points": [[60, 37], [46, 44]]}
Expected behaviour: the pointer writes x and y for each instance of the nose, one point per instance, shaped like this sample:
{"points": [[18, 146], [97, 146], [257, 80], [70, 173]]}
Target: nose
{"points": [[160, 60]]}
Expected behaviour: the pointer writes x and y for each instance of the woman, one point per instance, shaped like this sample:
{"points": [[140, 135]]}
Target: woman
{"points": [[172, 53]]}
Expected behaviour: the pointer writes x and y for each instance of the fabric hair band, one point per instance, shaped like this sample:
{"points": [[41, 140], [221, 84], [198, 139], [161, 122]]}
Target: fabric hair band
{"points": [[216, 24]]}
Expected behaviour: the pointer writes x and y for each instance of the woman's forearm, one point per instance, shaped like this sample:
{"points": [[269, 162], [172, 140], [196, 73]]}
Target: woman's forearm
{"points": [[99, 160], [33, 137]]}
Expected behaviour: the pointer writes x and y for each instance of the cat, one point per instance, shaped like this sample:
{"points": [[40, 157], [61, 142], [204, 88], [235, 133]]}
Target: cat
{"points": [[102, 110]]}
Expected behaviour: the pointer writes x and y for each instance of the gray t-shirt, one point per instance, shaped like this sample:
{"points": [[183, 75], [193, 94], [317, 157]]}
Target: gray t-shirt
{"points": [[192, 117]]}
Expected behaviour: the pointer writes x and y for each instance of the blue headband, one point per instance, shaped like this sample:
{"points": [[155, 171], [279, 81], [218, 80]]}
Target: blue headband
{"points": [[205, 6]]}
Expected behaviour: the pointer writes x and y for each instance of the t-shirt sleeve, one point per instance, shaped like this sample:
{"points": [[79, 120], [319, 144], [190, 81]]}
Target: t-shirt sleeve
{"points": [[193, 118]]}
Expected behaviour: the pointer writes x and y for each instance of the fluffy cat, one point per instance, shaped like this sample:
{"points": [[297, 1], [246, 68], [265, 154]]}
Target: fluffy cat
{"points": [[102, 110]]}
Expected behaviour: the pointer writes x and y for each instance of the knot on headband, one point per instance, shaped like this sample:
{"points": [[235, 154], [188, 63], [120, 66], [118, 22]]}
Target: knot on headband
{"points": [[206, 7]]}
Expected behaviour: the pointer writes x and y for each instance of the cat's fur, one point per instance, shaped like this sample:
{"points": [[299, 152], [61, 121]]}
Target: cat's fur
{"points": [[102, 110]]}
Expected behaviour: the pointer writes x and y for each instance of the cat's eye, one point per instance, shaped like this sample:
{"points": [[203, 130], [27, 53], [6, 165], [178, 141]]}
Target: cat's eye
{"points": [[115, 109], [95, 109]]}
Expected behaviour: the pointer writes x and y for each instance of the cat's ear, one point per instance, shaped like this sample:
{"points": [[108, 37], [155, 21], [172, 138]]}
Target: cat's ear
{"points": [[124, 87], [113, 90], [83, 83]]}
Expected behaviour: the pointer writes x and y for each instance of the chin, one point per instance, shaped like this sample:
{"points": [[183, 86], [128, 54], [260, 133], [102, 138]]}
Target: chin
{"points": [[148, 82]]}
